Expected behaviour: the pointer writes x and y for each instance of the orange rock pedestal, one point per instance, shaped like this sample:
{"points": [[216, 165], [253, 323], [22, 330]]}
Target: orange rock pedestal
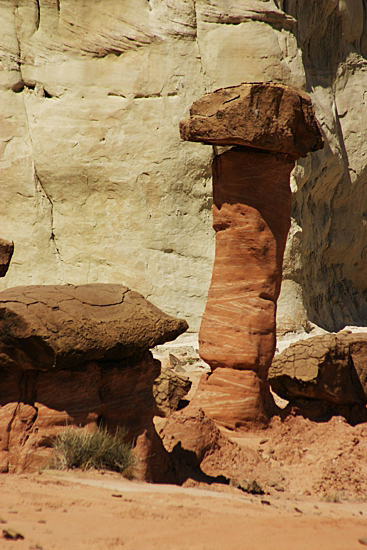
{"points": [[251, 217], [270, 125]]}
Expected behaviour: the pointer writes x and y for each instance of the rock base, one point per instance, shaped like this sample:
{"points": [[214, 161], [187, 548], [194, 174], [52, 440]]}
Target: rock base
{"points": [[36, 405], [235, 399]]}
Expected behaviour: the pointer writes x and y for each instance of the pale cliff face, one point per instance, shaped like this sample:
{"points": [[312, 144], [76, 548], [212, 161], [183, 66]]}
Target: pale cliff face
{"points": [[98, 186]]}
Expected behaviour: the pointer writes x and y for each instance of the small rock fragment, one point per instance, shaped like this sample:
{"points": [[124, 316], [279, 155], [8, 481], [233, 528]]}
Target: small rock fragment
{"points": [[12, 535], [251, 487]]}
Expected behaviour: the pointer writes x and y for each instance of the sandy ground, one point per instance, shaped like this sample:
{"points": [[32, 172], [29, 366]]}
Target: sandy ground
{"points": [[91, 510], [314, 477]]}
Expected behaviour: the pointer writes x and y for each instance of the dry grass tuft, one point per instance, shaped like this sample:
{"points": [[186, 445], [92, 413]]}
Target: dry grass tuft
{"points": [[100, 450]]}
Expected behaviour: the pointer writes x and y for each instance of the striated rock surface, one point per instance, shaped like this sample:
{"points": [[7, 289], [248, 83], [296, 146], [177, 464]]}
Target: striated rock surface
{"points": [[234, 399], [97, 185], [78, 356], [6, 252], [251, 217]]}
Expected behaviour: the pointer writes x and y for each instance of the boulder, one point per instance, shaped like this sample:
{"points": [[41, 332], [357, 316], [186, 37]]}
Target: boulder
{"points": [[6, 252], [193, 432], [79, 356], [168, 390], [64, 326], [262, 115], [324, 375], [322, 368]]}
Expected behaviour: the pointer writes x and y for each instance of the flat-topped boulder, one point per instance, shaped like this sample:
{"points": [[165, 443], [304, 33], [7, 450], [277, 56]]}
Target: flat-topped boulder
{"points": [[78, 356], [268, 116], [63, 326]]}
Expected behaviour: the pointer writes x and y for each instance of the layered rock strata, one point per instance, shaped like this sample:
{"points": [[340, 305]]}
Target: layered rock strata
{"points": [[79, 356], [271, 125], [323, 375]]}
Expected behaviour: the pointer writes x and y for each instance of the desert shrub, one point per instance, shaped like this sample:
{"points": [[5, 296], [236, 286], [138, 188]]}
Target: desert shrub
{"points": [[100, 450], [333, 497]]}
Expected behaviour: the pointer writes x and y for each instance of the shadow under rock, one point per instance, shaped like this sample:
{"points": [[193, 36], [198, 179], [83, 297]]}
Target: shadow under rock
{"points": [[185, 466]]}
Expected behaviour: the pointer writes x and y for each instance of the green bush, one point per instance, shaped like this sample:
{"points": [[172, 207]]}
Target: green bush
{"points": [[101, 450]]}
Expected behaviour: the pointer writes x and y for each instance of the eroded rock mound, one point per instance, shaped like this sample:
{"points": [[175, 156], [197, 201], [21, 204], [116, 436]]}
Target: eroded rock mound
{"points": [[324, 375], [168, 390], [79, 355]]}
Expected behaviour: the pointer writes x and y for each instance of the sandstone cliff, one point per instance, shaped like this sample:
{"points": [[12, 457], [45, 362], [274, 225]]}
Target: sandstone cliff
{"points": [[97, 185]]}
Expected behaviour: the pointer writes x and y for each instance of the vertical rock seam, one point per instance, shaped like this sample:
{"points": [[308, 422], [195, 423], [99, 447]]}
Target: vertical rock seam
{"points": [[270, 126]]}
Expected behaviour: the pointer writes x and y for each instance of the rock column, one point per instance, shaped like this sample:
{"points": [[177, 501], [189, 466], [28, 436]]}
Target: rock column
{"points": [[270, 126]]}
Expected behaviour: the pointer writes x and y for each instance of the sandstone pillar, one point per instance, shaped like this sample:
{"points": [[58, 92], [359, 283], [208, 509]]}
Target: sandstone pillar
{"points": [[270, 126]]}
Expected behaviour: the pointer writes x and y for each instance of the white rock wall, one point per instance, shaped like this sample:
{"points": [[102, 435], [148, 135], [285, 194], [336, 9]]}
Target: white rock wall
{"points": [[97, 185]]}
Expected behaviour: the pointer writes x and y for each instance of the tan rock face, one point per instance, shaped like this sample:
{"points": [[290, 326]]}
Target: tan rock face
{"points": [[97, 185], [78, 356], [251, 217]]}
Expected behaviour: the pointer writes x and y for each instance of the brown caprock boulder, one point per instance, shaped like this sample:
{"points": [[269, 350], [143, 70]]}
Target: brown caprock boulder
{"points": [[271, 126], [79, 356]]}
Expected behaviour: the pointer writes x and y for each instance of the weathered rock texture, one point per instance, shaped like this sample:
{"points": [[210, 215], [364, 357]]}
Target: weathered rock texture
{"points": [[168, 390], [264, 116], [6, 252], [324, 375], [79, 356], [273, 125], [96, 184], [63, 326]]}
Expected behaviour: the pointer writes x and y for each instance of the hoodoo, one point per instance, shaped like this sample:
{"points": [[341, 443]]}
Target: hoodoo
{"points": [[270, 126]]}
